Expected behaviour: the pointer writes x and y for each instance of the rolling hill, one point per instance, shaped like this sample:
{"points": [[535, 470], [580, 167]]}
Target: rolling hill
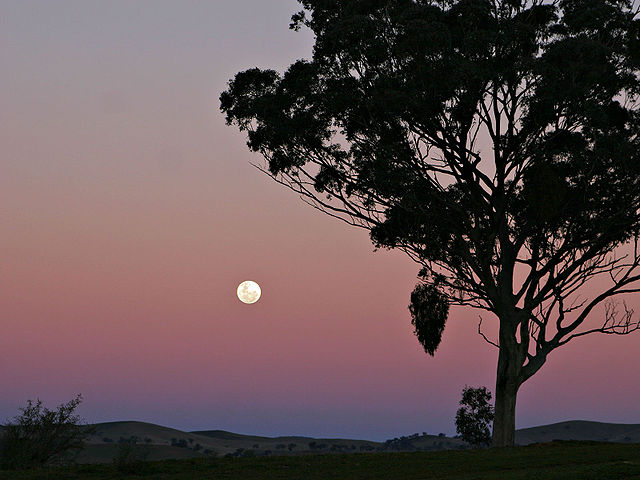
{"points": [[580, 430], [158, 442], [155, 442]]}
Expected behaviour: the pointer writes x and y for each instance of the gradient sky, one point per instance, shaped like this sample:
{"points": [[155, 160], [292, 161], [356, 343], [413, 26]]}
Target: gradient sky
{"points": [[129, 213]]}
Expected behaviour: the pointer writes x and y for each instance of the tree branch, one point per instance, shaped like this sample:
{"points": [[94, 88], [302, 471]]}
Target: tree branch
{"points": [[484, 336]]}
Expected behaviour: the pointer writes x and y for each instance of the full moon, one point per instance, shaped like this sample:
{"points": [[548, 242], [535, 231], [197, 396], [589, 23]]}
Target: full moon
{"points": [[249, 292]]}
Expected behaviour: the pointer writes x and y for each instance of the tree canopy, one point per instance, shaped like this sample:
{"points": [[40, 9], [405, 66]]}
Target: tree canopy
{"points": [[39, 436], [474, 416], [494, 141]]}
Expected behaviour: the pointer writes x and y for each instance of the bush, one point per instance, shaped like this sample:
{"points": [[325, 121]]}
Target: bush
{"points": [[131, 457], [179, 442], [474, 416], [39, 436]]}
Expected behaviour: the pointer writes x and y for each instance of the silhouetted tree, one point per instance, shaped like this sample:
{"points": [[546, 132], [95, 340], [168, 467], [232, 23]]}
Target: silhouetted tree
{"points": [[39, 436], [494, 141], [474, 416], [131, 457]]}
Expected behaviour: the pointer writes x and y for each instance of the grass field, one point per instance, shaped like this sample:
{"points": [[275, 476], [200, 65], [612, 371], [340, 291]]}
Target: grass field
{"points": [[557, 460]]}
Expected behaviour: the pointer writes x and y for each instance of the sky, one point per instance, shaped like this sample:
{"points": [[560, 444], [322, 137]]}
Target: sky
{"points": [[130, 212]]}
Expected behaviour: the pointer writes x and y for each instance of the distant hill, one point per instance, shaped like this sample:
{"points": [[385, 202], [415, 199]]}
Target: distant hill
{"points": [[580, 430], [154, 441], [224, 435], [288, 444], [157, 442], [145, 433]]}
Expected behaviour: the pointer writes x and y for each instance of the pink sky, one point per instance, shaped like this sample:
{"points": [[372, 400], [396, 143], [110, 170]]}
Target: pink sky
{"points": [[130, 213]]}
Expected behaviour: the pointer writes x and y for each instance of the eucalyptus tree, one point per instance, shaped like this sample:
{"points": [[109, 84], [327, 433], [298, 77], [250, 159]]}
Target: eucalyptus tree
{"points": [[494, 141]]}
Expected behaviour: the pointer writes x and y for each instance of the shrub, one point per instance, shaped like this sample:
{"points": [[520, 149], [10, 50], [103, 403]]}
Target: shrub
{"points": [[131, 457], [39, 436], [179, 442]]}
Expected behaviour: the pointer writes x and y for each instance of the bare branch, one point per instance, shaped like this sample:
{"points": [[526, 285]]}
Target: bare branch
{"points": [[614, 323], [484, 336]]}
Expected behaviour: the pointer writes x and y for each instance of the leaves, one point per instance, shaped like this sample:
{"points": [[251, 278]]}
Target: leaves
{"points": [[474, 416], [39, 436], [429, 310], [482, 138]]}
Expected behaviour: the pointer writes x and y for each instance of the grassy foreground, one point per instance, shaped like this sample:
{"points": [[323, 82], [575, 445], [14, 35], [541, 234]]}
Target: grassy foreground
{"points": [[557, 460]]}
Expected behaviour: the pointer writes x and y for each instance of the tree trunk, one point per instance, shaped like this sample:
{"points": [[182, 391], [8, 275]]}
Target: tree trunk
{"points": [[508, 381]]}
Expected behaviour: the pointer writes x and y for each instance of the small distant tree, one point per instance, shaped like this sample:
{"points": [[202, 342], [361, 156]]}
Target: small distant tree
{"points": [[39, 436], [474, 416], [131, 457]]}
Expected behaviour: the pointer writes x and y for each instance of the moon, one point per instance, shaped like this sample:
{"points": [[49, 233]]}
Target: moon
{"points": [[249, 292]]}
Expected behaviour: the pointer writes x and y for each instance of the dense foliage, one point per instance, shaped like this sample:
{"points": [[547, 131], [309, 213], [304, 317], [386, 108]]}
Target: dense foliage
{"points": [[474, 416], [429, 311], [39, 436]]}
